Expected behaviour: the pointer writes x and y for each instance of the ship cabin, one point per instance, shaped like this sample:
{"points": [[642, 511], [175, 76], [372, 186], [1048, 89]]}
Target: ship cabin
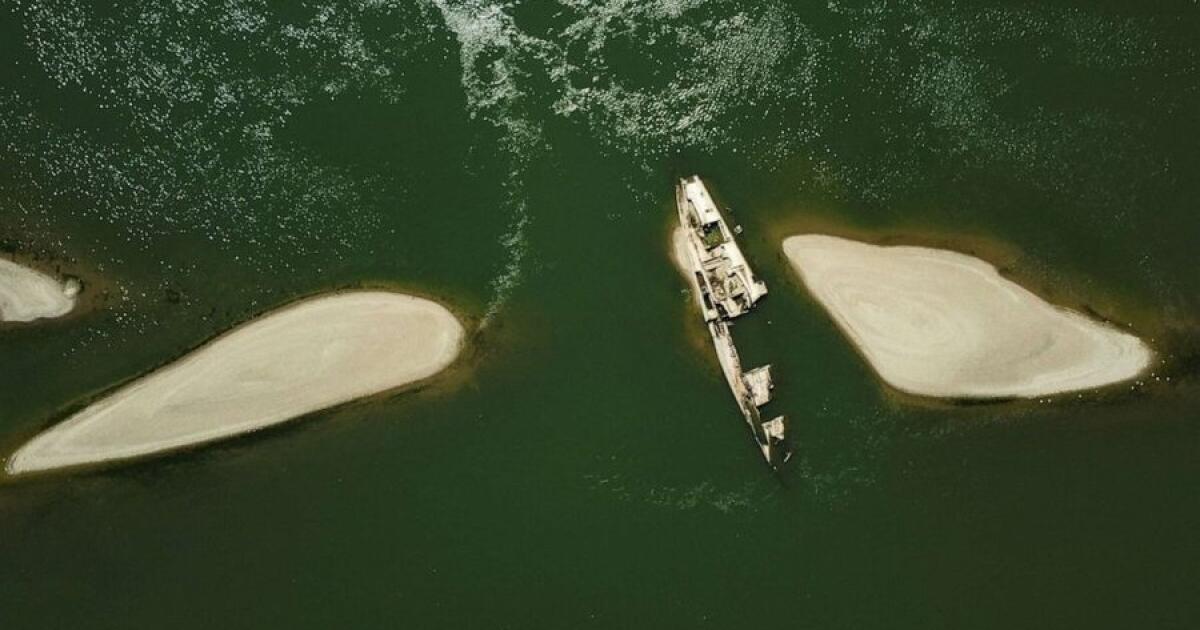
{"points": [[727, 285]]}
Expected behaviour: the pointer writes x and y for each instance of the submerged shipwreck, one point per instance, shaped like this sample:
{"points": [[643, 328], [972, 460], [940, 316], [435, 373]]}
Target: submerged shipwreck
{"points": [[725, 288]]}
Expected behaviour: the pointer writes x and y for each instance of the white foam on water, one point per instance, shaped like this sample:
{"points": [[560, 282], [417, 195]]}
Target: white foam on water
{"points": [[197, 94], [205, 89], [703, 495], [738, 57], [490, 48], [716, 66], [709, 76]]}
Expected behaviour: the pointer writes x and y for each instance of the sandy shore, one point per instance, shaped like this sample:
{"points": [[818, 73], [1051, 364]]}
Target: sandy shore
{"points": [[679, 249], [308, 356], [26, 294], [681, 257], [938, 323], [679, 252]]}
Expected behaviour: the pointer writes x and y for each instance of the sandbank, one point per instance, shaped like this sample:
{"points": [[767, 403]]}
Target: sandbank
{"points": [[27, 294], [939, 323], [679, 251], [308, 356]]}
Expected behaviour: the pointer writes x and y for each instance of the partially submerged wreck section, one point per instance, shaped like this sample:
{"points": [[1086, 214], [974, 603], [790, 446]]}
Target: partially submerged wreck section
{"points": [[725, 288]]}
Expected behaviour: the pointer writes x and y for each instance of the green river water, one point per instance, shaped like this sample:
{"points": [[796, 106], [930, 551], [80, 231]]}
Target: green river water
{"points": [[200, 162]]}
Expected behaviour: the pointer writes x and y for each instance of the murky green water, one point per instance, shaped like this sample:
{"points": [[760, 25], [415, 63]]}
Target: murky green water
{"points": [[200, 162]]}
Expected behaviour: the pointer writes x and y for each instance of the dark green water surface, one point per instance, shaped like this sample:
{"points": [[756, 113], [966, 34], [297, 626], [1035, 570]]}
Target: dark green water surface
{"points": [[198, 163]]}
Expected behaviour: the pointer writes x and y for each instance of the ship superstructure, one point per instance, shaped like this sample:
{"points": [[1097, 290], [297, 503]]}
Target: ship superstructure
{"points": [[725, 288]]}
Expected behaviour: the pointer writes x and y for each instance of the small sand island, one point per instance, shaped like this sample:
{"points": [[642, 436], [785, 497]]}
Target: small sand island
{"points": [[938, 323], [27, 294], [308, 356]]}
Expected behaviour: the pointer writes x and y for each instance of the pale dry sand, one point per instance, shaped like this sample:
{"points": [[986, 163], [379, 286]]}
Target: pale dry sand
{"points": [[311, 355], [938, 323], [27, 294], [681, 256], [679, 251]]}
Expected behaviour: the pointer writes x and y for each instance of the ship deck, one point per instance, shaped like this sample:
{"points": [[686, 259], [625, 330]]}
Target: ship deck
{"points": [[725, 288]]}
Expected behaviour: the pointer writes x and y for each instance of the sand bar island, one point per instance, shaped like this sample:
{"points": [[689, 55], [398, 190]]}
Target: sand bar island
{"points": [[311, 355], [27, 294], [934, 322]]}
